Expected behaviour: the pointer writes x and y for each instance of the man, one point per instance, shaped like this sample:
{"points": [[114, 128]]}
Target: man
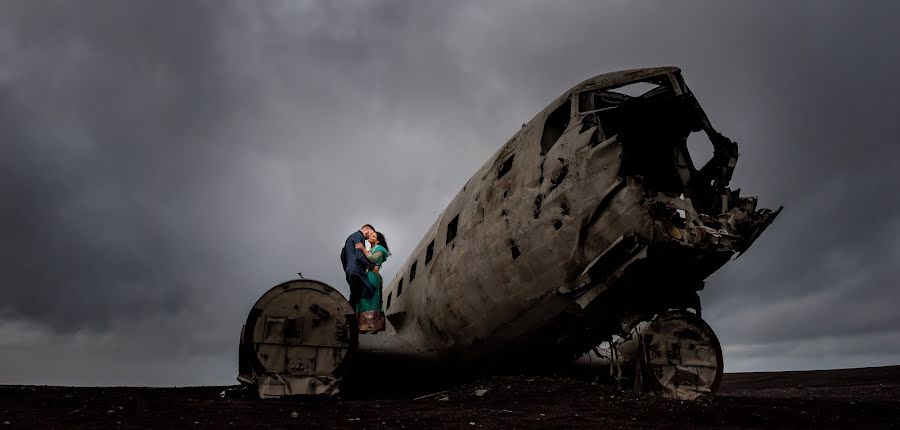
{"points": [[355, 265]]}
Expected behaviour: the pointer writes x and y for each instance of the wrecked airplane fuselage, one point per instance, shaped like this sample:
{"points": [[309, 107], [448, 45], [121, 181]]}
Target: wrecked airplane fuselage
{"points": [[591, 222]]}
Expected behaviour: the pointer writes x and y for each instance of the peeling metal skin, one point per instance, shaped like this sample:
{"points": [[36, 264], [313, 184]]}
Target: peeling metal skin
{"points": [[590, 220]]}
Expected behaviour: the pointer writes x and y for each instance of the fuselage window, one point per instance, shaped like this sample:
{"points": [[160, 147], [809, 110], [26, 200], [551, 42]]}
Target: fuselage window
{"points": [[429, 252], [412, 271], [505, 167], [451, 229], [555, 126], [389, 301], [400, 288]]}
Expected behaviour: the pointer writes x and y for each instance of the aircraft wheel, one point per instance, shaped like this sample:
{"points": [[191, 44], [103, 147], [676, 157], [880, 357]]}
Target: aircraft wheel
{"points": [[680, 357]]}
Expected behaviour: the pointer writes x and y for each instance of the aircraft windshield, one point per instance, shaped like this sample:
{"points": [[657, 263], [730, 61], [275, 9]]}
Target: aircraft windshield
{"points": [[594, 100]]}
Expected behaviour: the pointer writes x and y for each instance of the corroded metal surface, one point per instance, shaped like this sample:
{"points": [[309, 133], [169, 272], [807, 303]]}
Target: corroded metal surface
{"points": [[296, 339]]}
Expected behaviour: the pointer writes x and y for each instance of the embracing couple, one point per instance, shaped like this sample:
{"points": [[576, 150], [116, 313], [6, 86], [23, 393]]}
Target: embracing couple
{"points": [[362, 269]]}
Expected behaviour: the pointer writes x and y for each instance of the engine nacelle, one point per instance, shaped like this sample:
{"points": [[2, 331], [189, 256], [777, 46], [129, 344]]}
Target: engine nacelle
{"points": [[297, 340]]}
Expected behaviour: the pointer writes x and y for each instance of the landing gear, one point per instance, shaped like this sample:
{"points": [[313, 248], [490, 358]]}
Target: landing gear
{"points": [[679, 357], [674, 355]]}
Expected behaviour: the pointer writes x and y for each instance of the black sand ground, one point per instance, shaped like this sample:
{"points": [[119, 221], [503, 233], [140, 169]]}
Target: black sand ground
{"points": [[852, 398]]}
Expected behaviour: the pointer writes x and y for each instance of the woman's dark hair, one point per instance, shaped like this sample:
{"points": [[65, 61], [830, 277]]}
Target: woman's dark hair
{"points": [[381, 241]]}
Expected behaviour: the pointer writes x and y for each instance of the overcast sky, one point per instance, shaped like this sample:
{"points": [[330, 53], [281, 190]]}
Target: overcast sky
{"points": [[162, 164]]}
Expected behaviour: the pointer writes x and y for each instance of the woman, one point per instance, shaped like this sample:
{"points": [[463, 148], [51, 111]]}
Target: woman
{"points": [[371, 319]]}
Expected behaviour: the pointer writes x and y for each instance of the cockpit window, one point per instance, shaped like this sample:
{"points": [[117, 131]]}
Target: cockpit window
{"points": [[589, 101], [555, 126], [636, 89], [600, 99]]}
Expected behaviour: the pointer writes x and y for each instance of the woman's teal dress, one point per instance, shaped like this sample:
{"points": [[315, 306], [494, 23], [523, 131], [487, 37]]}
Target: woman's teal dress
{"points": [[377, 255]]}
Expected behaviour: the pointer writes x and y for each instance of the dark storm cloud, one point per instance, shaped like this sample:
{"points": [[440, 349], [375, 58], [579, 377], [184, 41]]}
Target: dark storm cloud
{"points": [[102, 114], [163, 163]]}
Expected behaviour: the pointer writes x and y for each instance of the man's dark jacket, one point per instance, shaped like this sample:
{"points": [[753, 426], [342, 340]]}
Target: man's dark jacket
{"points": [[355, 265]]}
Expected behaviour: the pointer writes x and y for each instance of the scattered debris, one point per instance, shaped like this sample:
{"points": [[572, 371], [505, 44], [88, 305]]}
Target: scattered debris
{"points": [[294, 414], [429, 395], [443, 399], [481, 393]]}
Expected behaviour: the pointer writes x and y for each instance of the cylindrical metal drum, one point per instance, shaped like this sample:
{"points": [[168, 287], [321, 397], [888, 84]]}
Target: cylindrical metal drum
{"points": [[296, 340]]}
